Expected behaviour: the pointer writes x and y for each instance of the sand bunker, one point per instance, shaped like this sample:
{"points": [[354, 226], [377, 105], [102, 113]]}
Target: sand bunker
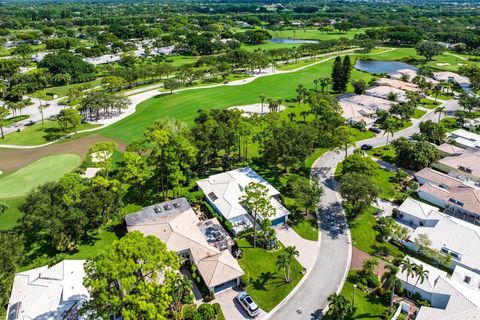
{"points": [[256, 108]]}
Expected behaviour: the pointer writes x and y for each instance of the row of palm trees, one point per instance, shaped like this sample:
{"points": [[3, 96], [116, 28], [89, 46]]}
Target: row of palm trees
{"points": [[340, 307]]}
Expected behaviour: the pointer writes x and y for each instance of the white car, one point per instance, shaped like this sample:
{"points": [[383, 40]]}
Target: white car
{"points": [[248, 304]]}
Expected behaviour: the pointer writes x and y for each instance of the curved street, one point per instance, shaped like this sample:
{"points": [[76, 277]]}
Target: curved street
{"points": [[331, 266]]}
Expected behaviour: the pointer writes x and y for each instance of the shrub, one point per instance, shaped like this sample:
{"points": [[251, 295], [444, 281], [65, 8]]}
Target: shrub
{"points": [[218, 311]]}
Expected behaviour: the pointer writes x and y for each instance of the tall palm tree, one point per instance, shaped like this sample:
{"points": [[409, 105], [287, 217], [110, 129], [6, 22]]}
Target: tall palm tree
{"points": [[284, 261], [407, 266], [436, 91], [262, 98], [292, 115], [391, 282], [421, 273], [390, 125], [304, 114], [42, 107], [440, 110]]}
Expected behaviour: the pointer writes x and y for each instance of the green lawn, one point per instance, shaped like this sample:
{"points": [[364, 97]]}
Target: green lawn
{"points": [[450, 123], [429, 104], [9, 219], [50, 168], [367, 305], [268, 288], [183, 105], [307, 229], [314, 34], [61, 91], [366, 238], [419, 113], [39, 134], [385, 153]]}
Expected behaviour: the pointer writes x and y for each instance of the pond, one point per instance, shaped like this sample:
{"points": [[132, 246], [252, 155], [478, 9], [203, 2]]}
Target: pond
{"points": [[291, 41], [377, 66]]}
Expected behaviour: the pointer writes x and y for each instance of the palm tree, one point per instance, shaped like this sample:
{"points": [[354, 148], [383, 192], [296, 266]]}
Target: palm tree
{"points": [[292, 115], [324, 83], [284, 261], [391, 282], [304, 114], [182, 287], [407, 266], [42, 107], [421, 273], [339, 306], [440, 110], [436, 91], [262, 98], [390, 125]]}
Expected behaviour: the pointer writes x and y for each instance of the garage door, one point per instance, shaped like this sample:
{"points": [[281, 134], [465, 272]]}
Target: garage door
{"points": [[225, 286]]}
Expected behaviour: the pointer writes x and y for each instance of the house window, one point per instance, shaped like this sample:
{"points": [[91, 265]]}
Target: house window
{"points": [[467, 279]]}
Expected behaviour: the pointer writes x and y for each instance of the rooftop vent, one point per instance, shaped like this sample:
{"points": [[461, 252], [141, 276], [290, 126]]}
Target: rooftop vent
{"points": [[157, 209], [177, 204], [167, 207]]}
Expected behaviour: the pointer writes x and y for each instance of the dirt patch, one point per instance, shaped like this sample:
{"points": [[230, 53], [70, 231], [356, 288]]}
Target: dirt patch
{"points": [[357, 258], [14, 159]]}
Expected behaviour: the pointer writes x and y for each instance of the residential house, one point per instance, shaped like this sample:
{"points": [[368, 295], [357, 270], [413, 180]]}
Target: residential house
{"points": [[457, 197], [465, 139], [448, 150], [447, 76], [357, 115], [400, 74], [398, 84], [466, 165], [107, 58], [203, 243], [224, 192], [446, 233], [55, 292], [369, 102], [451, 298], [384, 92]]}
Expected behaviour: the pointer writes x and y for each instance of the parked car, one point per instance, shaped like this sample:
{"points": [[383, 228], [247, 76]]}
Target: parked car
{"points": [[248, 304], [30, 123], [366, 147], [375, 130]]}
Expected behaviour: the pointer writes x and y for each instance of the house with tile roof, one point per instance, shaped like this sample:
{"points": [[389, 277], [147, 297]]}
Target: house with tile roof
{"points": [[384, 92], [55, 292], [203, 243], [224, 191], [465, 139], [356, 114], [451, 298], [466, 164], [448, 150], [370, 102], [398, 84]]}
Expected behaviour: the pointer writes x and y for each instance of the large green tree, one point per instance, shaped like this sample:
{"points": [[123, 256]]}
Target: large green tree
{"points": [[358, 191], [414, 155], [134, 277], [429, 49]]}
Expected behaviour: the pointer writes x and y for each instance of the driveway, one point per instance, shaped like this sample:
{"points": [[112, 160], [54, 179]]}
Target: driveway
{"points": [[232, 310], [306, 248]]}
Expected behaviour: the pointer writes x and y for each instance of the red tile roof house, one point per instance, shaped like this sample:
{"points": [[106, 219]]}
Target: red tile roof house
{"points": [[457, 197]]}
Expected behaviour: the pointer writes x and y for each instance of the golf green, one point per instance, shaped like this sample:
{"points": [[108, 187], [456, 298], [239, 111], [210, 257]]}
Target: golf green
{"points": [[183, 105], [50, 168]]}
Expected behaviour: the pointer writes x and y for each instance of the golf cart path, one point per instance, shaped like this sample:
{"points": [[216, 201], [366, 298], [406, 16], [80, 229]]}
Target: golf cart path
{"points": [[138, 98]]}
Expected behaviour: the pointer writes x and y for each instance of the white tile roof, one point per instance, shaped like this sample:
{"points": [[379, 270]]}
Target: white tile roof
{"points": [[407, 86], [446, 232], [356, 112], [462, 304], [383, 92], [47, 292], [466, 138], [370, 102], [226, 189]]}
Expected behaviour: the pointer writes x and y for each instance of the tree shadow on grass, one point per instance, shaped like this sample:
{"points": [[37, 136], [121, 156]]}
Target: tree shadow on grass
{"points": [[263, 279], [51, 133]]}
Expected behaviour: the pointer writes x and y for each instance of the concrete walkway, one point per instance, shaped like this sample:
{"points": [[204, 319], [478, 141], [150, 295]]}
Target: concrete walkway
{"points": [[306, 248]]}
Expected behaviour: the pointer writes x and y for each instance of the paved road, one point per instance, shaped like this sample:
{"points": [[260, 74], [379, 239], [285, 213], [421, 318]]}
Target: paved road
{"points": [[328, 273]]}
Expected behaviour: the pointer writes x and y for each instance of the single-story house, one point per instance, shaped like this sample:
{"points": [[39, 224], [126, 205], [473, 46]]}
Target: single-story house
{"points": [[466, 164], [203, 243], [107, 58], [451, 298], [447, 76], [370, 102], [224, 191], [399, 74], [55, 292], [398, 84], [356, 114], [465, 139], [446, 233], [383, 92], [448, 150]]}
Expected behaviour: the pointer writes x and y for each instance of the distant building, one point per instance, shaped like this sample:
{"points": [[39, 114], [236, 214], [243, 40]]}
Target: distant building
{"points": [[55, 292], [447, 76], [224, 191], [107, 58], [203, 243], [370, 102], [400, 74], [398, 84], [384, 92]]}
